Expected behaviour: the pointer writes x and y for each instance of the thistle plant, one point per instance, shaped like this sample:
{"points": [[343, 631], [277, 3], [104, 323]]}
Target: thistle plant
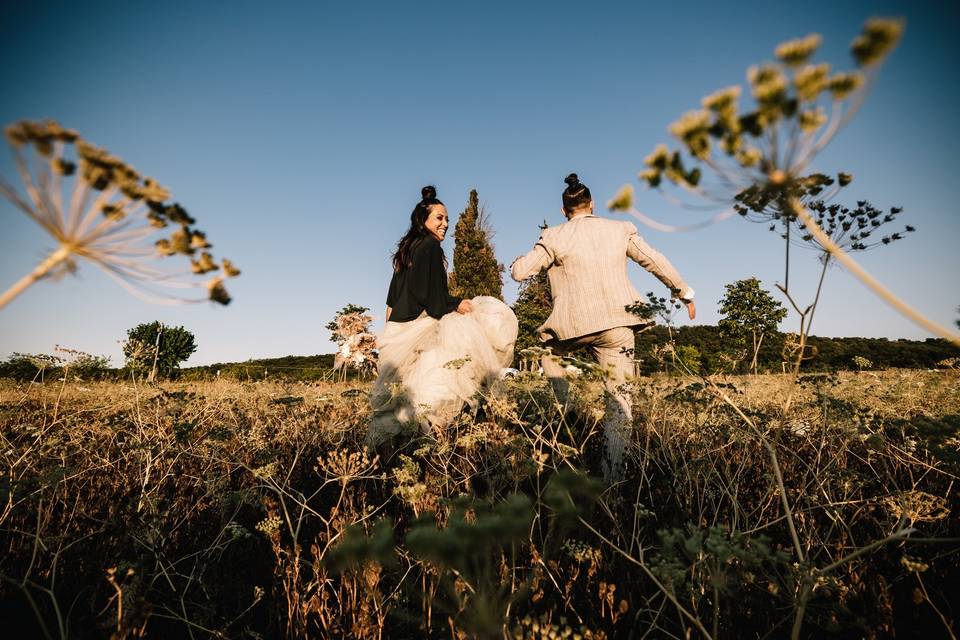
{"points": [[666, 310], [655, 307], [756, 162], [81, 364], [111, 213]]}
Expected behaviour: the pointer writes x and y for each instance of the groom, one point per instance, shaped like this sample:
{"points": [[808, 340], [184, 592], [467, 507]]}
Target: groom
{"points": [[586, 263]]}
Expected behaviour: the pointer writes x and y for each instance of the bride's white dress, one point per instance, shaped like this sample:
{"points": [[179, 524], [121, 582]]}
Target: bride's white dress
{"points": [[430, 368]]}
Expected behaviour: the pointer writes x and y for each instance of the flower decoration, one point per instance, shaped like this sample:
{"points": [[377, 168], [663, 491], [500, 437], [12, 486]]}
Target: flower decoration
{"points": [[357, 345]]}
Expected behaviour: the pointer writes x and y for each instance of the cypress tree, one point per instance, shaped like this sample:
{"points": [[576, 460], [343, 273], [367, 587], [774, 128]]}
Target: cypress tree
{"points": [[476, 271]]}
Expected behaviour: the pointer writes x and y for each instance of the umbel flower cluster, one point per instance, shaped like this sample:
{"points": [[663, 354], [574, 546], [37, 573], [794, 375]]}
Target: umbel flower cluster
{"points": [[756, 160], [857, 229], [109, 216], [357, 345]]}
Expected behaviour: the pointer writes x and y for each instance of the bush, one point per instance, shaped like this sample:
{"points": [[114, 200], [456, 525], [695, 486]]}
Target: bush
{"points": [[40, 367]]}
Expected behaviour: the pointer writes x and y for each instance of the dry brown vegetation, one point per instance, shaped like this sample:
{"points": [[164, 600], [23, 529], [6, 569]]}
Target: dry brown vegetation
{"points": [[252, 510]]}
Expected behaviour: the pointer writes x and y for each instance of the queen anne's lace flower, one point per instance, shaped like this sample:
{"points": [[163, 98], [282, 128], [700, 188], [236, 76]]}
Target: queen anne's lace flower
{"points": [[108, 219]]}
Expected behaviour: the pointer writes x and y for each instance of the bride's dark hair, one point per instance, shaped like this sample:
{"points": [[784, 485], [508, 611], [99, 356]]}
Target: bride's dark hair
{"points": [[403, 256], [576, 195]]}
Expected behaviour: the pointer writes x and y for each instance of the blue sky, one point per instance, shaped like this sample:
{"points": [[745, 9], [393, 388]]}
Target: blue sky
{"points": [[299, 136]]}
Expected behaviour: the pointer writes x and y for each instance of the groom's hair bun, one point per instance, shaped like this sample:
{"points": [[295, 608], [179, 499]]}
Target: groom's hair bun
{"points": [[576, 195], [429, 194]]}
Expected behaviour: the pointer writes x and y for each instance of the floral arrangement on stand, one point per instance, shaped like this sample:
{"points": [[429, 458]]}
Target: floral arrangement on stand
{"points": [[357, 345]]}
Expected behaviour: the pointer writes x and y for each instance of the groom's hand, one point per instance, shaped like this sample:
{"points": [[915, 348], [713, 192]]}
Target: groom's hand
{"points": [[691, 309], [465, 306]]}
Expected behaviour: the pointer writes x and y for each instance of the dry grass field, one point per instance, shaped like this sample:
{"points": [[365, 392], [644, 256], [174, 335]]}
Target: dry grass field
{"points": [[752, 508]]}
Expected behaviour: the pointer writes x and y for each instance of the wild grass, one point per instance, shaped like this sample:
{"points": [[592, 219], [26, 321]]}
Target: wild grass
{"points": [[252, 510]]}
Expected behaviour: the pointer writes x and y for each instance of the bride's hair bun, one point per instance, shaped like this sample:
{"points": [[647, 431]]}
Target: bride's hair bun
{"points": [[402, 258], [572, 181]]}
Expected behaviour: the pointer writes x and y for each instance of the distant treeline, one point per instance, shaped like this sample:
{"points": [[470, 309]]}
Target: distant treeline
{"points": [[316, 367], [710, 351], [823, 354]]}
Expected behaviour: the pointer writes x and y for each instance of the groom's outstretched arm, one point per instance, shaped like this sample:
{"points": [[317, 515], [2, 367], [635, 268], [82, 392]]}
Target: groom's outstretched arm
{"points": [[657, 264], [530, 265]]}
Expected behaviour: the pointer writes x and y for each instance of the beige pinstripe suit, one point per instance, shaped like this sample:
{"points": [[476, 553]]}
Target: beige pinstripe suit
{"points": [[586, 263]]}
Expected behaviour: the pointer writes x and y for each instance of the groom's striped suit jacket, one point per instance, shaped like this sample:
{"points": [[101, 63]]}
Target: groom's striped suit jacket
{"points": [[586, 262]]}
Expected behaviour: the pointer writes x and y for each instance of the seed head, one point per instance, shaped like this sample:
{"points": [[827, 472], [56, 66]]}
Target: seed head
{"points": [[127, 209], [841, 85], [879, 37], [796, 52], [811, 81], [623, 200]]}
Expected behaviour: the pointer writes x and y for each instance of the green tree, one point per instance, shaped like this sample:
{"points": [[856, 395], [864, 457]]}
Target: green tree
{"points": [[532, 309], [749, 311], [476, 271], [689, 357], [157, 348]]}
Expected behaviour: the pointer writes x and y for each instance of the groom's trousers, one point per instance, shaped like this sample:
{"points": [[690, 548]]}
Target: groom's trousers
{"points": [[613, 349]]}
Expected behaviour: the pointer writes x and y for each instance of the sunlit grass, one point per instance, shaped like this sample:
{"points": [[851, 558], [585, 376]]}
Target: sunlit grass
{"points": [[226, 506]]}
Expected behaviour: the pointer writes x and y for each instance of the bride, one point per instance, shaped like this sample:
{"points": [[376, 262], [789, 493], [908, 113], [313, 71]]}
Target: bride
{"points": [[436, 350]]}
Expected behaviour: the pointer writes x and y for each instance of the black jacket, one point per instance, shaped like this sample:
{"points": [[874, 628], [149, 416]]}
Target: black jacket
{"points": [[422, 286]]}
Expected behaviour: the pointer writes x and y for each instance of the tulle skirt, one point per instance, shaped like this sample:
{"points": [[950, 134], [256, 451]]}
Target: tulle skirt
{"points": [[429, 369]]}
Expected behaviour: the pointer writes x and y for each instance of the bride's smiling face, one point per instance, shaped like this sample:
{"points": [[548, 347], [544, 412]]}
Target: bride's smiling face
{"points": [[437, 221]]}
